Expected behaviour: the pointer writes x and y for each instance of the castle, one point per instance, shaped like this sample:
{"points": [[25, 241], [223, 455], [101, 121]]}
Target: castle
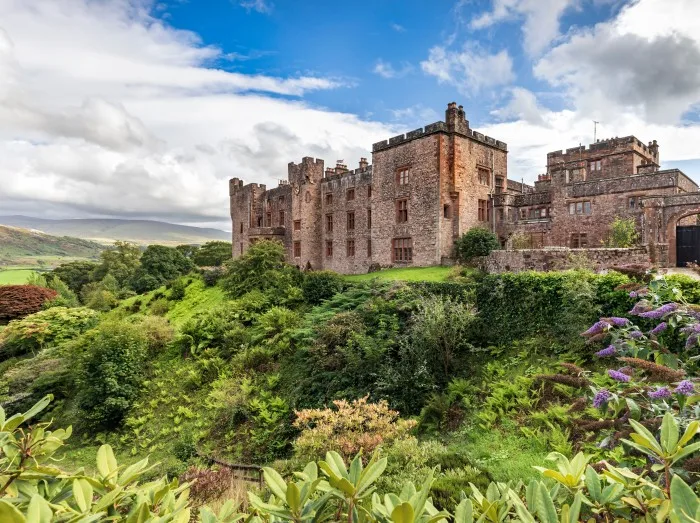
{"points": [[426, 188]]}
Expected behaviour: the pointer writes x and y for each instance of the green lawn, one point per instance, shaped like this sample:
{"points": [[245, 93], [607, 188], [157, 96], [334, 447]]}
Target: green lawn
{"points": [[15, 276], [437, 273]]}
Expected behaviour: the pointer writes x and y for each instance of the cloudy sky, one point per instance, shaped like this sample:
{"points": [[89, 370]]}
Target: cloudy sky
{"points": [[144, 109]]}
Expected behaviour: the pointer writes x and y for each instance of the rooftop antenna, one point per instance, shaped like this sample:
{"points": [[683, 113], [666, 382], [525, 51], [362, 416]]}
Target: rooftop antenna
{"points": [[595, 130]]}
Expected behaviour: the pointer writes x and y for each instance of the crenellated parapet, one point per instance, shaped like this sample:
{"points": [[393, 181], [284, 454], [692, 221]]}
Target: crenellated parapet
{"points": [[455, 123]]}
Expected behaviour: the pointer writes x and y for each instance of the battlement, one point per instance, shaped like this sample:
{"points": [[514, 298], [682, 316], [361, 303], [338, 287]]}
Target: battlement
{"points": [[306, 160], [455, 122], [237, 186], [607, 146], [331, 174]]}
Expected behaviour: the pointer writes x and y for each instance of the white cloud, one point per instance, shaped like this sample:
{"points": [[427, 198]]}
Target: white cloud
{"points": [[397, 27], [261, 6], [124, 115], [387, 70], [470, 69], [540, 25], [416, 115], [631, 63], [522, 106]]}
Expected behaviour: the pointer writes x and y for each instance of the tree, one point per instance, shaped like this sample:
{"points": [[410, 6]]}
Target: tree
{"points": [[75, 274], [261, 267], [188, 250], [622, 233], [18, 301], [159, 265], [120, 261], [477, 241], [213, 254]]}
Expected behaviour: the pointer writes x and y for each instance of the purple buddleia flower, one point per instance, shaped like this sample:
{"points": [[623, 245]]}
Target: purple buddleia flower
{"points": [[608, 351], [618, 376], [601, 397], [597, 328], [633, 294], [691, 341], [639, 307], [660, 394], [685, 387], [660, 312], [635, 335], [659, 328], [618, 322]]}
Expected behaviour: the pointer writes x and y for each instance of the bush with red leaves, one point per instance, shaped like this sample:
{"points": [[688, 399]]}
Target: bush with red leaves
{"points": [[18, 301]]}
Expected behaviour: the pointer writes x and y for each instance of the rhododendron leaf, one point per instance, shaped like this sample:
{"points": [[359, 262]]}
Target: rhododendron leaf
{"points": [[643, 431], [275, 483], [669, 433], [689, 433]]}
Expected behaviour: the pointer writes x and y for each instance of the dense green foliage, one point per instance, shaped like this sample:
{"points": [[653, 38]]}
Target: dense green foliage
{"points": [[75, 274], [111, 368], [212, 254], [159, 265], [622, 233], [465, 386], [477, 241]]}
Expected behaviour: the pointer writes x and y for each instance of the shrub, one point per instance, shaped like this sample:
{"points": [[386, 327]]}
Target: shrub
{"points": [[45, 328], [349, 428], [212, 276], [18, 301], [65, 298], [218, 329], [320, 285], [159, 333], [477, 241], [111, 371], [178, 290], [159, 307], [262, 267], [622, 233]]}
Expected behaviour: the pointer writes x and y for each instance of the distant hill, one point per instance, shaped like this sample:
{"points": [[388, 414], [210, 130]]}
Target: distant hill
{"points": [[106, 231], [16, 244]]}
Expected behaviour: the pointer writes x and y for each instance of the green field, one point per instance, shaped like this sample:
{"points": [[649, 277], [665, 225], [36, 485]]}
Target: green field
{"points": [[437, 273], [15, 276]]}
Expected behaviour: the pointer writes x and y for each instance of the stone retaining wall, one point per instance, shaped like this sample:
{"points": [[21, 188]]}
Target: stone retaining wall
{"points": [[561, 258]]}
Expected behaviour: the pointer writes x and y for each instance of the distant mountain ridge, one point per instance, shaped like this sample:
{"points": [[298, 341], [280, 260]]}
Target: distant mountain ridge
{"points": [[17, 243], [108, 230]]}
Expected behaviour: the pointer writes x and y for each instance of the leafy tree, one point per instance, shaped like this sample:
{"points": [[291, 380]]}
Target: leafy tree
{"points": [[188, 251], [477, 241], [622, 233], [102, 295], [110, 372], [75, 274], [18, 301], [213, 254], [121, 262], [159, 265], [261, 267]]}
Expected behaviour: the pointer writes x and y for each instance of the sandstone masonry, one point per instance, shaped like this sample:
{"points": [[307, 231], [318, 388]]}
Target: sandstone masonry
{"points": [[427, 187]]}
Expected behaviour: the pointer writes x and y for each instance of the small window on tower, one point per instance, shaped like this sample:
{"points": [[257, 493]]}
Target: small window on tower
{"points": [[402, 176], [369, 218], [351, 194], [297, 249], [281, 218], [446, 211], [241, 227], [401, 211], [351, 248], [351, 221], [369, 191], [369, 248], [297, 225], [484, 176], [329, 249], [329, 199], [329, 223]]}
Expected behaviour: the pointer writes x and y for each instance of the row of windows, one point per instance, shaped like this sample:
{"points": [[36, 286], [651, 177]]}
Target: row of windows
{"points": [[350, 223], [349, 195], [533, 213], [401, 249]]}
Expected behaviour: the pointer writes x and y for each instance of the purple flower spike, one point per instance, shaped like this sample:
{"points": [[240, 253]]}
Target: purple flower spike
{"points": [[659, 328], [618, 376], [608, 351], [618, 322], [686, 388], [600, 398], [660, 312], [691, 341], [597, 328], [635, 335], [633, 294], [660, 394]]}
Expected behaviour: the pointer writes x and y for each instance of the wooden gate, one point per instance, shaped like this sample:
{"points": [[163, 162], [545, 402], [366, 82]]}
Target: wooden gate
{"points": [[687, 244]]}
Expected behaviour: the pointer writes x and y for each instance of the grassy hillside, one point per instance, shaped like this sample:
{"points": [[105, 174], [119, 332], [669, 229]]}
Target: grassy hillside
{"points": [[144, 232], [15, 276], [18, 244]]}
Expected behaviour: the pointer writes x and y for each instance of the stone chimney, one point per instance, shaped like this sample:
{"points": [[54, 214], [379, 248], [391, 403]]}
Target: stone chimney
{"points": [[340, 167], [363, 164]]}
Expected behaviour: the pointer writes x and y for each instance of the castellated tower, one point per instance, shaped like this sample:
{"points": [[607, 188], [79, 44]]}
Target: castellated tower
{"points": [[422, 190]]}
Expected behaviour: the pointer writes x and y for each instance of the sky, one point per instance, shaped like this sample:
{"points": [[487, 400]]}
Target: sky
{"points": [[145, 109]]}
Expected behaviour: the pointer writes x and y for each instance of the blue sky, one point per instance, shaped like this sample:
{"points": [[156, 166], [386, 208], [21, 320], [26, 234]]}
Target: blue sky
{"points": [[145, 109]]}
